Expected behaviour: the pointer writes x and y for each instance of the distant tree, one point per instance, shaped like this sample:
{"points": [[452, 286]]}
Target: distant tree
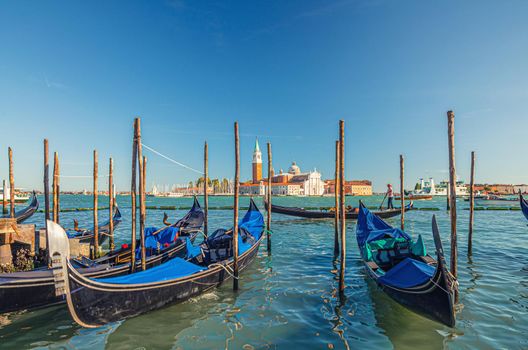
{"points": [[225, 185], [418, 186], [190, 184], [216, 185]]}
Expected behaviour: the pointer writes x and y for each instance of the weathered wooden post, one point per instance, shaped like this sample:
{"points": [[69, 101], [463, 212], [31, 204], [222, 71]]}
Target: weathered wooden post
{"points": [[56, 188], [206, 177], [4, 197], [235, 209], [471, 204], [337, 188], [268, 195], [141, 196], [95, 205], [402, 195], [111, 244], [452, 194], [11, 184], [46, 184], [342, 204], [133, 198]]}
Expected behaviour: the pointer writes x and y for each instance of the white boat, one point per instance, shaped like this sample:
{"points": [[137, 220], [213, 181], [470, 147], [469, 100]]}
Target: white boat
{"points": [[19, 196], [431, 189]]}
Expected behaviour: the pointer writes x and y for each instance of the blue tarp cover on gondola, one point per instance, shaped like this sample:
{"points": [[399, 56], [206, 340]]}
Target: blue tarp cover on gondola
{"points": [[370, 228], [408, 273], [171, 269]]}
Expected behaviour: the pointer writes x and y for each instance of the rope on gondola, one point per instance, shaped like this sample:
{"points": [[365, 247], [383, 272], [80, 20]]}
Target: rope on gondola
{"points": [[226, 268], [171, 160]]}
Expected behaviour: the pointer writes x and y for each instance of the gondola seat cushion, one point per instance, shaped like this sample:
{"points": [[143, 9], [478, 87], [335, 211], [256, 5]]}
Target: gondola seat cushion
{"points": [[158, 241], [172, 269], [408, 273]]}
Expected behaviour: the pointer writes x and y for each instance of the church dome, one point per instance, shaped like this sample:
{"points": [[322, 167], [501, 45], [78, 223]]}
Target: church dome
{"points": [[294, 169]]}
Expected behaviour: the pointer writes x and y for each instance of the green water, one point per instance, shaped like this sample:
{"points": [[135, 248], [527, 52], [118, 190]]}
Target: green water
{"points": [[288, 300]]}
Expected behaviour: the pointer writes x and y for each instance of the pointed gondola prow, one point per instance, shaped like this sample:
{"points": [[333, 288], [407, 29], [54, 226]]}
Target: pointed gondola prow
{"points": [[165, 219], [59, 251], [450, 281], [196, 203]]}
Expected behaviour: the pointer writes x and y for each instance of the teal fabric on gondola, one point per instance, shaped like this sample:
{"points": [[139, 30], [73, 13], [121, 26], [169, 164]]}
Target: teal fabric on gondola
{"points": [[171, 269], [408, 273], [418, 248], [371, 228]]}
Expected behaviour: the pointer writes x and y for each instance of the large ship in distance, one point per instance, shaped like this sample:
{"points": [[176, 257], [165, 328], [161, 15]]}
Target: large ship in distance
{"points": [[432, 189]]}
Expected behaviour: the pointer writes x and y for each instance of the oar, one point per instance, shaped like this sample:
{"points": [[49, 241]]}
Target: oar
{"points": [[383, 201]]}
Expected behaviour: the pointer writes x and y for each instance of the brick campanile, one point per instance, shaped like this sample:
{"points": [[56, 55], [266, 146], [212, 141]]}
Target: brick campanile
{"points": [[257, 163]]}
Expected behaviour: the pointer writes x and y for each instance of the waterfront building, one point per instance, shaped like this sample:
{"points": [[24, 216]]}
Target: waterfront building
{"points": [[291, 183], [352, 188]]}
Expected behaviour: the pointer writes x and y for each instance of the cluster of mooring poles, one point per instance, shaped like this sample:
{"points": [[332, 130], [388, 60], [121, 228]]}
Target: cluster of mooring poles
{"points": [[340, 214], [95, 248]]}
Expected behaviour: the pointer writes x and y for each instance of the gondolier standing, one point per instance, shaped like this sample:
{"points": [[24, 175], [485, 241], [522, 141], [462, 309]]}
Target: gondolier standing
{"points": [[390, 196]]}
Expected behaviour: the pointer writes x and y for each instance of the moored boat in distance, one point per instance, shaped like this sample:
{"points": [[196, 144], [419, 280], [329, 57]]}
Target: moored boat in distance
{"points": [[95, 302], [20, 197], [402, 268], [328, 213], [429, 188]]}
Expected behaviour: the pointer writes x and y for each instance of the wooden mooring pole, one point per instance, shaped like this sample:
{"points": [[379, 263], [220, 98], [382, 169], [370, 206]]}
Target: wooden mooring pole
{"points": [[11, 184], [95, 205], [342, 204], [452, 194], [402, 195], [206, 177], [268, 195], [235, 209], [46, 184], [4, 197], [133, 198], [111, 244], [56, 188], [471, 204], [142, 207], [337, 188]]}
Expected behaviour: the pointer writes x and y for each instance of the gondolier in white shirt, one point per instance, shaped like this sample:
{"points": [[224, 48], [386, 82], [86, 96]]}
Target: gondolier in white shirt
{"points": [[390, 196]]}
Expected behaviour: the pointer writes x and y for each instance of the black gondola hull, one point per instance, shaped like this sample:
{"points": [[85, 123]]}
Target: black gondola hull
{"points": [[92, 304], [432, 300], [24, 214], [36, 289], [313, 214]]}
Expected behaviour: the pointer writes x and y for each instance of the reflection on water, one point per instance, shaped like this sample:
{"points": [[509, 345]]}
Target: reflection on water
{"points": [[289, 300]]}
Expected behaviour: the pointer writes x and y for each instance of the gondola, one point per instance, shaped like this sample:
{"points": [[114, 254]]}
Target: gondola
{"points": [[95, 302], [35, 289], [87, 235], [524, 205], [324, 214], [24, 214], [403, 269]]}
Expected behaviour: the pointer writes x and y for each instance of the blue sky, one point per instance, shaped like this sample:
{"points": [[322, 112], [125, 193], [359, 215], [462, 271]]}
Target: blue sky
{"points": [[77, 72]]}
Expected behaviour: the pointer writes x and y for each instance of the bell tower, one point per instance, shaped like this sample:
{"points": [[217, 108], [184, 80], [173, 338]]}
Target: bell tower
{"points": [[257, 163]]}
